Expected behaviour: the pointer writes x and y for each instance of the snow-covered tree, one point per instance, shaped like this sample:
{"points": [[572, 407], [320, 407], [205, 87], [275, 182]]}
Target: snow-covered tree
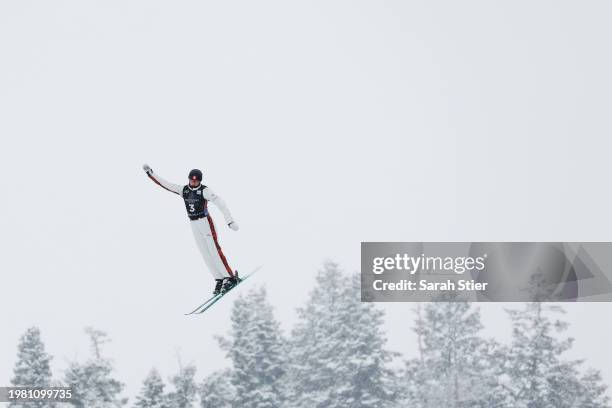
{"points": [[456, 367], [152, 392], [92, 381], [337, 354], [217, 391], [32, 368], [538, 377], [185, 388], [255, 348]]}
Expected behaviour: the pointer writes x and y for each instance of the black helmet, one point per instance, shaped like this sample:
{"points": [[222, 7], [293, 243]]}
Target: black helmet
{"points": [[195, 174]]}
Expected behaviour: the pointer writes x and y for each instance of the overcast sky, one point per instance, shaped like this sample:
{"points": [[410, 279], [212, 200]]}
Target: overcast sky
{"points": [[321, 123]]}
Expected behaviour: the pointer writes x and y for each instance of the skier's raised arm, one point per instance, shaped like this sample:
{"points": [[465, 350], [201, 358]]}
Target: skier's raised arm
{"points": [[218, 201], [174, 188]]}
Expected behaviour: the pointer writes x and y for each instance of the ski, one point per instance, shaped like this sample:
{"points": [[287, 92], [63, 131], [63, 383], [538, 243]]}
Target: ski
{"points": [[209, 303], [202, 305], [220, 296]]}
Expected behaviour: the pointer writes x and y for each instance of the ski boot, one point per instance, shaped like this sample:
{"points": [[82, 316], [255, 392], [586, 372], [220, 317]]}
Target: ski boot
{"points": [[229, 283], [218, 286]]}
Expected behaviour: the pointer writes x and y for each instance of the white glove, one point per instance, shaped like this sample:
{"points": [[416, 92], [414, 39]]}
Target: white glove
{"points": [[147, 169], [233, 225]]}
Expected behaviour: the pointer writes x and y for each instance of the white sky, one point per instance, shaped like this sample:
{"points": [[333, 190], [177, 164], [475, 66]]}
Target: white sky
{"points": [[321, 123]]}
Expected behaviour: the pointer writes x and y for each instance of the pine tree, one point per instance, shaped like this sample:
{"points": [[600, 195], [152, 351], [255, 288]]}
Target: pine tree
{"points": [[185, 388], [217, 390], [255, 348], [92, 382], [152, 392], [337, 351], [537, 375], [32, 368], [366, 357], [455, 366]]}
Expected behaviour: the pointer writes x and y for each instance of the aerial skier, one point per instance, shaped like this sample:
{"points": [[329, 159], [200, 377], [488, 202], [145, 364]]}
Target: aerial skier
{"points": [[196, 197]]}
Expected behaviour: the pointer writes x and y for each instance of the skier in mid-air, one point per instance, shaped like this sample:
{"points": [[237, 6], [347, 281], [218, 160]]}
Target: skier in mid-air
{"points": [[196, 197]]}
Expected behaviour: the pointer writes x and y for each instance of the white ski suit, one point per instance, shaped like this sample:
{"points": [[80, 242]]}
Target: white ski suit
{"points": [[202, 226]]}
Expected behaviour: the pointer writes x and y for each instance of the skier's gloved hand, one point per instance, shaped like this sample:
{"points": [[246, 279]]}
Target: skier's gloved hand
{"points": [[147, 169], [233, 225]]}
